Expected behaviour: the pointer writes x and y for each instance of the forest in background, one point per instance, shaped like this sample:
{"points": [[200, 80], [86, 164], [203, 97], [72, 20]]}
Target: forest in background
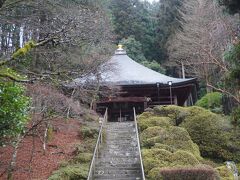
{"points": [[47, 43]]}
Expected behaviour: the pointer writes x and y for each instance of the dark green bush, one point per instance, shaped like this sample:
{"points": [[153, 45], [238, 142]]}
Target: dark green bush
{"points": [[210, 132], [14, 106], [235, 115], [167, 145], [211, 101]]}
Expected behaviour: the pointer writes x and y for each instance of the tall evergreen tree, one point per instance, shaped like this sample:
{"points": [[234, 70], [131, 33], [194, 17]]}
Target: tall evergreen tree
{"points": [[137, 19], [232, 5], [167, 24]]}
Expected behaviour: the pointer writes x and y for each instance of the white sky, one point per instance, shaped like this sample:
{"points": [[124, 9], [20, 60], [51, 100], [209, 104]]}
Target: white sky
{"points": [[152, 0]]}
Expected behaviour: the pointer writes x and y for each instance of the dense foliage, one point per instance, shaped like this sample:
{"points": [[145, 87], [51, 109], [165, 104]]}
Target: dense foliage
{"points": [[232, 56], [212, 101], [151, 26], [232, 5], [14, 107], [168, 137]]}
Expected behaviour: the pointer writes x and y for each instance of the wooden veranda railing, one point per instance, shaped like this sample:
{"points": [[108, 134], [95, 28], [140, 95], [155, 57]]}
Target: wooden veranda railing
{"points": [[97, 147], [138, 144]]}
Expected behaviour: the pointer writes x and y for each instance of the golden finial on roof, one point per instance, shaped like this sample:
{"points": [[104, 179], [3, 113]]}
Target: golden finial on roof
{"points": [[120, 50], [120, 46]]}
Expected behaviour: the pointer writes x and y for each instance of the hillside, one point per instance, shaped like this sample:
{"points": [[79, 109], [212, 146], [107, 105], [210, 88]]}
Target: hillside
{"points": [[187, 142]]}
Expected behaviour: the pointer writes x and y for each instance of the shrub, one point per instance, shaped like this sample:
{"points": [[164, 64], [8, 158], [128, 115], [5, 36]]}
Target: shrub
{"points": [[145, 115], [83, 158], [235, 115], [159, 158], [173, 137], [164, 146], [212, 101], [225, 173], [14, 106], [191, 173], [144, 123], [73, 172], [207, 130], [88, 132], [176, 113]]}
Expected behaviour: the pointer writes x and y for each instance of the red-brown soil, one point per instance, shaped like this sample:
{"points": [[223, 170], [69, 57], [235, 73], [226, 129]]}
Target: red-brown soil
{"points": [[59, 149]]}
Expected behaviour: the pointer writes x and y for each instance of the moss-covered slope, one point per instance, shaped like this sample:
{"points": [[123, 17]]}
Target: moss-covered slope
{"points": [[176, 137]]}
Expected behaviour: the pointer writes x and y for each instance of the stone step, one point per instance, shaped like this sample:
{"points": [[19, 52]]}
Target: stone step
{"points": [[130, 140], [119, 152], [120, 143], [120, 147], [110, 168], [121, 133], [118, 161], [113, 153], [101, 171], [127, 128], [120, 123], [119, 157], [111, 177], [130, 127], [117, 165], [127, 138]]}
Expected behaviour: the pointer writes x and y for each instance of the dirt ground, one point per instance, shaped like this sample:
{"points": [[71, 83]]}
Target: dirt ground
{"points": [[60, 148]]}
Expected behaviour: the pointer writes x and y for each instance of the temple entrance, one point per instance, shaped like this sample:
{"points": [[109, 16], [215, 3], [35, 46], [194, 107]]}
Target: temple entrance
{"points": [[122, 111]]}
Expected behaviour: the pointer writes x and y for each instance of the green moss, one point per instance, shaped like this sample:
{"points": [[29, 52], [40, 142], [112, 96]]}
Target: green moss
{"points": [[74, 172], [206, 129], [183, 158], [225, 173], [176, 113], [24, 50], [88, 132], [155, 174], [155, 158], [144, 123], [172, 137], [195, 111], [83, 158], [145, 115], [159, 158], [164, 146]]}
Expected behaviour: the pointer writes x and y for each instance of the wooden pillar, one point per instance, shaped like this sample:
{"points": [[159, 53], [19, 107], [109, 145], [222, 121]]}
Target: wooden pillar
{"points": [[145, 106], [175, 100]]}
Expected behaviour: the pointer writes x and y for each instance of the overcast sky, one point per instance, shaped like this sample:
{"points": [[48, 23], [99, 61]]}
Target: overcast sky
{"points": [[152, 0]]}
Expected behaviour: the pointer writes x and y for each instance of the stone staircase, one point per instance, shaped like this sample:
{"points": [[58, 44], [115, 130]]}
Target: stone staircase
{"points": [[119, 158]]}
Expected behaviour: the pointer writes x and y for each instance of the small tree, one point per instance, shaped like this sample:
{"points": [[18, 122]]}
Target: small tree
{"points": [[14, 106]]}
